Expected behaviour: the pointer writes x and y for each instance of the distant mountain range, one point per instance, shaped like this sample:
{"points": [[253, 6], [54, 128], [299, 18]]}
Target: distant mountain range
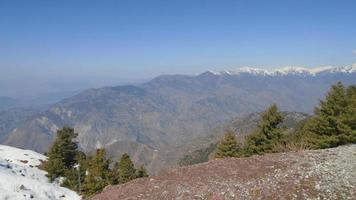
{"points": [[289, 71], [154, 119]]}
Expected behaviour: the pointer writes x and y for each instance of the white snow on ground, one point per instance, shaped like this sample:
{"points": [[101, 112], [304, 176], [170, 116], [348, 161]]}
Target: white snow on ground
{"points": [[21, 179]]}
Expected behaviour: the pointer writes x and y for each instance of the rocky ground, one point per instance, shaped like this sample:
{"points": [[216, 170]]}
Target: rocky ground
{"points": [[318, 174]]}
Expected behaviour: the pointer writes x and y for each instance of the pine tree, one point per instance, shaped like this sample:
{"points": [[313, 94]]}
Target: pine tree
{"points": [[127, 169], [328, 113], [54, 167], [142, 172], [350, 116], [97, 173], [74, 177], [62, 153], [114, 177], [268, 133], [228, 146], [334, 121]]}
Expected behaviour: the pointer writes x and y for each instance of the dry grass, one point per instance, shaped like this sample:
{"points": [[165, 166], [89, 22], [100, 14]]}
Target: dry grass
{"points": [[291, 146]]}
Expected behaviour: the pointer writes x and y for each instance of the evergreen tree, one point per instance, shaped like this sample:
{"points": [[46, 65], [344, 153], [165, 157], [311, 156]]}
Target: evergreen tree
{"points": [[114, 177], [54, 167], [268, 133], [350, 116], [97, 173], [327, 115], [62, 153], [127, 169], [228, 146], [142, 172], [74, 177], [334, 121]]}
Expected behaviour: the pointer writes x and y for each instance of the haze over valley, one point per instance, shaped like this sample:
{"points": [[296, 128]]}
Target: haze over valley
{"points": [[153, 119], [177, 100]]}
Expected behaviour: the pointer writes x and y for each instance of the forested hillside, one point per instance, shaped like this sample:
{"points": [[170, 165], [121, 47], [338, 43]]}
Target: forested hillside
{"points": [[151, 121]]}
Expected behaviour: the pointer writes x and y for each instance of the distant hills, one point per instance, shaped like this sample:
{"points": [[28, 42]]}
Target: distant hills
{"points": [[15, 117], [154, 119], [6, 102]]}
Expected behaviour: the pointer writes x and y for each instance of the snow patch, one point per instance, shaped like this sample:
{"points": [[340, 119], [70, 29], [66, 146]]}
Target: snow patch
{"points": [[20, 177], [289, 70]]}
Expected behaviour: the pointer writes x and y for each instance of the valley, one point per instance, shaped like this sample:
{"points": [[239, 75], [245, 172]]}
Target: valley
{"points": [[177, 100], [153, 120]]}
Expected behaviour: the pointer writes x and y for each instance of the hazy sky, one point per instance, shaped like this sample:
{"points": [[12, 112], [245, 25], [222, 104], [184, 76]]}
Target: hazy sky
{"points": [[60, 45]]}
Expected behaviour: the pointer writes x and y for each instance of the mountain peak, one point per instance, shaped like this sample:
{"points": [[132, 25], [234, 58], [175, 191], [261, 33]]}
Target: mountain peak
{"points": [[289, 70]]}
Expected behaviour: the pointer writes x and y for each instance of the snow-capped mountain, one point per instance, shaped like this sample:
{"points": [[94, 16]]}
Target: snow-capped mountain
{"points": [[288, 71], [21, 179], [151, 118]]}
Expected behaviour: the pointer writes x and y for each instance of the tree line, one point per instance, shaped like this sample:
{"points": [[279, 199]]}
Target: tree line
{"points": [[333, 124], [84, 174]]}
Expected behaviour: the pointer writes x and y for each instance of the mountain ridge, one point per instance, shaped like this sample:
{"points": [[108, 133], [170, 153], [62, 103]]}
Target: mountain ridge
{"points": [[289, 70], [163, 114]]}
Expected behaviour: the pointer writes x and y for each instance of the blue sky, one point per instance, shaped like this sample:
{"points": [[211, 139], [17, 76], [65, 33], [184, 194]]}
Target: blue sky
{"points": [[92, 43]]}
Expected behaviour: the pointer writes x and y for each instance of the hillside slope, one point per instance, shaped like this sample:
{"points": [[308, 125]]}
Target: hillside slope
{"points": [[318, 174], [15, 117], [165, 113], [21, 179], [201, 149]]}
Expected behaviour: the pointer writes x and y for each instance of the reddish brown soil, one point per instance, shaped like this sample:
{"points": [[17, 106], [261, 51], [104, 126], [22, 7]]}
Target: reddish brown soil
{"points": [[322, 174]]}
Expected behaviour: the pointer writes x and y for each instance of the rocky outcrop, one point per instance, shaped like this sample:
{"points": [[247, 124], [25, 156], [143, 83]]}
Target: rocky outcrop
{"points": [[316, 174]]}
